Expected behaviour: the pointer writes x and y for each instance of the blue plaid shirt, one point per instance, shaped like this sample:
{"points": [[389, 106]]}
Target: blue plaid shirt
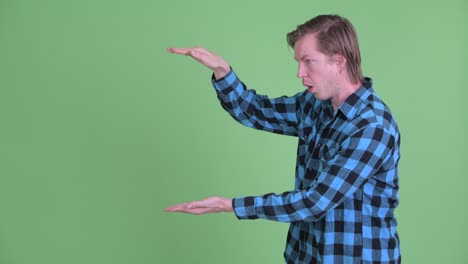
{"points": [[346, 183]]}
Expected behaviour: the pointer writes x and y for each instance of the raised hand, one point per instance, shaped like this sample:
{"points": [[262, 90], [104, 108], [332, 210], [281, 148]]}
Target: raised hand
{"points": [[209, 59], [213, 204]]}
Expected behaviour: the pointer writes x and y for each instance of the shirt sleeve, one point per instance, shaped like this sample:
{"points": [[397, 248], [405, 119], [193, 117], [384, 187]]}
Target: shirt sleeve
{"points": [[359, 158], [278, 115]]}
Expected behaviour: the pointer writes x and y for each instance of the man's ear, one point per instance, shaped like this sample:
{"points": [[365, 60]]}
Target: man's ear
{"points": [[340, 61]]}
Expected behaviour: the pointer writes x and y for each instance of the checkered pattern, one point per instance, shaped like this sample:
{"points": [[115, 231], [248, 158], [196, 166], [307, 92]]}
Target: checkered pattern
{"points": [[346, 185]]}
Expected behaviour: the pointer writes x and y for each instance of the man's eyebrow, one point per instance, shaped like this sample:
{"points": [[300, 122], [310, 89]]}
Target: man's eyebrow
{"points": [[302, 58]]}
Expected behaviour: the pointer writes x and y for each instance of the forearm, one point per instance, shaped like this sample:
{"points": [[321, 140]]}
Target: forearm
{"points": [[278, 115], [286, 207], [360, 157]]}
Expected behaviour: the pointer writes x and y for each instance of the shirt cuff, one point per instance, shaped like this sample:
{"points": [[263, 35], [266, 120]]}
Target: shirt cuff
{"points": [[244, 207], [230, 82]]}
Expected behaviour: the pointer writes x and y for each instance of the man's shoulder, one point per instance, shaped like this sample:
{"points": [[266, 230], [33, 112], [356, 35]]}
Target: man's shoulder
{"points": [[374, 112]]}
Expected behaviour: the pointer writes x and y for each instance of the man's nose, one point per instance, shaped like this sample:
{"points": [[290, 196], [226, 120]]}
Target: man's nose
{"points": [[300, 71]]}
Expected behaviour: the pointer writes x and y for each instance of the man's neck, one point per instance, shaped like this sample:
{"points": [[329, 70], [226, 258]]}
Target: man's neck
{"points": [[346, 89]]}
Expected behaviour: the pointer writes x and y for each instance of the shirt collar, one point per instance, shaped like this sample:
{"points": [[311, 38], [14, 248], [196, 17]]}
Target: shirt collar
{"points": [[350, 106]]}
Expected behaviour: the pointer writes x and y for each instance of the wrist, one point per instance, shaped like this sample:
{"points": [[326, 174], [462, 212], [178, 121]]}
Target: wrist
{"points": [[221, 71], [227, 205]]}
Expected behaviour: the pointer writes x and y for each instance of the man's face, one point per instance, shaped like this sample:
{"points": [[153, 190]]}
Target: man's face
{"points": [[318, 71]]}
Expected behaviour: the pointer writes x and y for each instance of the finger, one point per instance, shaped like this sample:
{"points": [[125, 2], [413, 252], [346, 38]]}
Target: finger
{"points": [[198, 211], [182, 51], [177, 207], [195, 211]]}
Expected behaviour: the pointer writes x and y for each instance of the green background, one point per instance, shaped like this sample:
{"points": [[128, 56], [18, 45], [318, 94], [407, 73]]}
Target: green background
{"points": [[101, 128]]}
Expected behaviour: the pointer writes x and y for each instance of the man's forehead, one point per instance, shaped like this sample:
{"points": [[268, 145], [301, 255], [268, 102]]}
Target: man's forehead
{"points": [[305, 46]]}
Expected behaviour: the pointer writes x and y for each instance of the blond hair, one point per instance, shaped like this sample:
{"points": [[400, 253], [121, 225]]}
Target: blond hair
{"points": [[335, 35]]}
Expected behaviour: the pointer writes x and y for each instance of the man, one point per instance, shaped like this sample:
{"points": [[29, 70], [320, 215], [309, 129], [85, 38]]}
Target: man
{"points": [[346, 191]]}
